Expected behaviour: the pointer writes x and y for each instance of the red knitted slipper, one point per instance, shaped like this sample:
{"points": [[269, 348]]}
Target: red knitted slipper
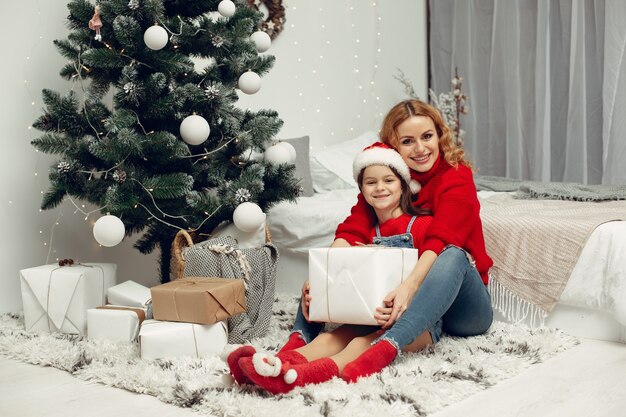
{"points": [[281, 377], [295, 341], [233, 362], [373, 360]]}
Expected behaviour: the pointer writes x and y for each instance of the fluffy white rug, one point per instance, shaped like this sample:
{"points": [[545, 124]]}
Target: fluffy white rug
{"points": [[415, 385]]}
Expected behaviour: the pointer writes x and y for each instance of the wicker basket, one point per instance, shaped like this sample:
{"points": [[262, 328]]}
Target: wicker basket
{"points": [[186, 238]]}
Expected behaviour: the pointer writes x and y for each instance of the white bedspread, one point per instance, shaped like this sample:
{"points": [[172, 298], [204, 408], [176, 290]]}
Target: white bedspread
{"points": [[311, 222], [598, 281]]}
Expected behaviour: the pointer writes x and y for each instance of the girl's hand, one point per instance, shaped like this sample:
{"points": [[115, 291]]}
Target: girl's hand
{"points": [[382, 315], [306, 299], [395, 304]]}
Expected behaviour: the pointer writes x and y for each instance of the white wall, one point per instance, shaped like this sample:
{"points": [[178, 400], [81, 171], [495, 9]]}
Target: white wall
{"points": [[335, 62], [314, 86]]}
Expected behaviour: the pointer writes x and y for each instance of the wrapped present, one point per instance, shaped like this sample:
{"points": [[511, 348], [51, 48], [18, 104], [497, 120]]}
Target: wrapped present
{"points": [[116, 323], [129, 294], [198, 300], [347, 284], [56, 298], [165, 339]]}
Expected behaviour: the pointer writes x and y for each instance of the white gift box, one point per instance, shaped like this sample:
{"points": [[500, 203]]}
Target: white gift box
{"points": [[115, 323], [347, 284], [167, 339], [130, 294], [56, 299]]}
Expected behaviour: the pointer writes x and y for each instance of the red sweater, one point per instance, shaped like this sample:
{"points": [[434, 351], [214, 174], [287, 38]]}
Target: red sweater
{"points": [[398, 226], [451, 195]]}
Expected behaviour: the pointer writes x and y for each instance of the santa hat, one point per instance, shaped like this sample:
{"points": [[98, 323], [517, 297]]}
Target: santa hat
{"points": [[380, 153]]}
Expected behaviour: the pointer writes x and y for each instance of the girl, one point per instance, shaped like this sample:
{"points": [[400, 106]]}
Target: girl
{"points": [[386, 185]]}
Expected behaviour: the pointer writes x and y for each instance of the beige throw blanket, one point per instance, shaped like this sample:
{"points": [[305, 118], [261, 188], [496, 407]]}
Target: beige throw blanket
{"points": [[535, 245]]}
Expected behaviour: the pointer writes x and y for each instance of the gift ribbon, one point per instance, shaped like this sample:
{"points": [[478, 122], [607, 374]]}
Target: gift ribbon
{"points": [[184, 282], [69, 264], [141, 314], [195, 341], [357, 292]]}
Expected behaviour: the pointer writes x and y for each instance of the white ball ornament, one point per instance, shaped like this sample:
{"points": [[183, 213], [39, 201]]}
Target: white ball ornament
{"points": [[226, 8], [278, 154], [109, 230], [155, 37], [249, 82], [194, 129], [248, 217], [291, 149], [262, 40]]}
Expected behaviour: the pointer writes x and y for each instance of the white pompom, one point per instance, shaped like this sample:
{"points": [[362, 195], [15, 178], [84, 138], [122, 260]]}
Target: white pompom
{"points": [[226, 8], [109, 230], [248, 217], [278, 154], [290, 376], [266, 364], [415, 186], [262, 40], [155, 37], [194, 129], [249, 82]]}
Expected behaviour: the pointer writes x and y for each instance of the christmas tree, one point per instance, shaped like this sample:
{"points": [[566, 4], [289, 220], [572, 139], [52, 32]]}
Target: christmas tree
{"points": [[150, 136]]}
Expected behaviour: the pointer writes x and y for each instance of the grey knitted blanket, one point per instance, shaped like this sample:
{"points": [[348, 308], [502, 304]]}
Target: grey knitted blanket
{"points": [[535, 244], [527, 190]]}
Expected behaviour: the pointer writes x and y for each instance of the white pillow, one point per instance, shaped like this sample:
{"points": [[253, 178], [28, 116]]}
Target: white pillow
{"points": [[331, 167]]}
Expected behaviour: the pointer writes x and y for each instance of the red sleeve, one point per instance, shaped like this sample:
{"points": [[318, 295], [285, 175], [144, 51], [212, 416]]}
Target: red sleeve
{"points": [[419, 229], [456, 210], [357, 226]]}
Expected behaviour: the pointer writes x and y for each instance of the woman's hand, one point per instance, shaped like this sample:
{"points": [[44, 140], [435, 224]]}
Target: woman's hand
{"points": [[306, 299], [395, 304], [398, 300]]}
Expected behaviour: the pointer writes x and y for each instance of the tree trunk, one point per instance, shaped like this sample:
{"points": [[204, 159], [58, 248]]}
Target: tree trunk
{"points": [[166, 258]]}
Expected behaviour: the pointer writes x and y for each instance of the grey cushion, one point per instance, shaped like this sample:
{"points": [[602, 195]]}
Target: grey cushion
{"points": [[303, 169]]}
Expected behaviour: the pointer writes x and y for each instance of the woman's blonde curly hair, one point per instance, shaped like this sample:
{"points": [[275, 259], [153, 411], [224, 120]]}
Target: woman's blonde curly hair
{"points": [[404, 110]]}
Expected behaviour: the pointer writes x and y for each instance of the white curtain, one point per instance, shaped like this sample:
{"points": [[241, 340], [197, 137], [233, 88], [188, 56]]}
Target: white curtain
{"points": [[546, 81]]}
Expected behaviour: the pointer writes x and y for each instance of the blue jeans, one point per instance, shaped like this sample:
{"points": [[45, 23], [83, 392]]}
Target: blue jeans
{"points": [[452, 294], [307, 329]]}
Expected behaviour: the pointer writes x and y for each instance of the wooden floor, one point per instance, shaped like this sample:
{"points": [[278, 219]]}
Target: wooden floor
{"points": [[587, 380]]}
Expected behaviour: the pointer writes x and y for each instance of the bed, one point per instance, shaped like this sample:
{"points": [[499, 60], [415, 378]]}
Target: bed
{"points": [[588, 301]]}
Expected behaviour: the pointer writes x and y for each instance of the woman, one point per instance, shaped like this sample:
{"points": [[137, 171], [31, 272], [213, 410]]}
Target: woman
{"points": [[453, 266]]}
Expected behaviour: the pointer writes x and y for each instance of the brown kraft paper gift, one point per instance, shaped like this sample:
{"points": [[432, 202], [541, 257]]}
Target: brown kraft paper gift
{"points": [[198, 300]]}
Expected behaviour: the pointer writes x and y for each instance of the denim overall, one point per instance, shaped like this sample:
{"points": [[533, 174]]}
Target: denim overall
{"points": [[309, 330], [403, 240]]}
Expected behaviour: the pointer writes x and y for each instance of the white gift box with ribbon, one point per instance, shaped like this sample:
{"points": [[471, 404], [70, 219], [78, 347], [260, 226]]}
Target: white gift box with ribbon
{"points": [[56, 298], [347, 284], [115, 323], [167, 339], [131, 294]]}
